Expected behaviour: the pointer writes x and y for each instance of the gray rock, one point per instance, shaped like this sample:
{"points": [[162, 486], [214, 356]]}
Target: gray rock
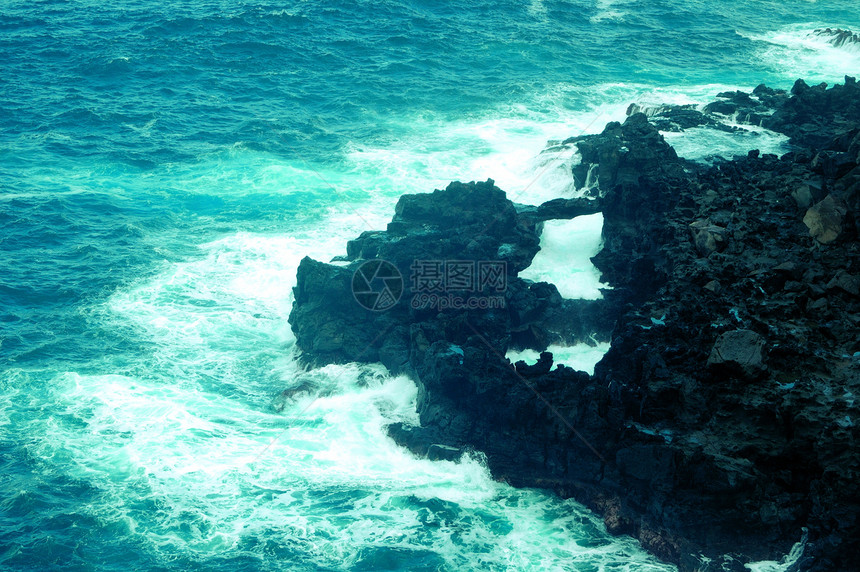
{"points": [[845, 282], [740, 351], [838, 37], [708, 237], [824, 219], [802, 195]]}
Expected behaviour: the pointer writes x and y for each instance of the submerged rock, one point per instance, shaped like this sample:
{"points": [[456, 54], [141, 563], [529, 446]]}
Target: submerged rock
{"points": [[838, 37]]}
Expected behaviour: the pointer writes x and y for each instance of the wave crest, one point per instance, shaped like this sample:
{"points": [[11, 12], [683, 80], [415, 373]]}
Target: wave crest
{"points": [[813, 52]]}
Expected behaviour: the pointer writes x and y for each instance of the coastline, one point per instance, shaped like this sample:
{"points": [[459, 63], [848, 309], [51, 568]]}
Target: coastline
{"points": [[733, 310]]}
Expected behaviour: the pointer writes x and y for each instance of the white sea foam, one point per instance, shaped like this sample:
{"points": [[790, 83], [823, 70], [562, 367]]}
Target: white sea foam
{"points": [[616, 96], [796, 52], [507, 150], [204, 474], [785, 563], [564, 257], [582, 357], [511, 147], [610, 10], [703, 144]]}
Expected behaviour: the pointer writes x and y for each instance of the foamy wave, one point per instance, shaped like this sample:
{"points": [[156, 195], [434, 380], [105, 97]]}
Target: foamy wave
{"points": [[509, 150], [566, 247], [204, 475], [703, 144], [581, 357], [609, 10], [516, 147], [798, 52], [786, 563]]}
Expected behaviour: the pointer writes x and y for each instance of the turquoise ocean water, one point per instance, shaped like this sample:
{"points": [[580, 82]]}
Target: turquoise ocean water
{"points": [[163, 168]]}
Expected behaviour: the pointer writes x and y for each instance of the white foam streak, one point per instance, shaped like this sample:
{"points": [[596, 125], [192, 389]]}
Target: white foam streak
{"points": [[606, 10], [786, 562], [703, 144], [796, 52], [240, 289], [511, 148]]}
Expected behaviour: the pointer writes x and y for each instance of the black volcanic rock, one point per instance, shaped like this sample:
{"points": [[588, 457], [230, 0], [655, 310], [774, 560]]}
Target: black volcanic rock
{"points": [[473, 220], [676, 118], [725, 417], [739, 352], [838, 37], [557, 209], [639, 176], [812, 116], [815, 115], [470, 223], [747, 337]]}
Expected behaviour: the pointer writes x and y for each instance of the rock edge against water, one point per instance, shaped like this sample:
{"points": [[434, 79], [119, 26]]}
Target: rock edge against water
{"points": [[724, 419]]}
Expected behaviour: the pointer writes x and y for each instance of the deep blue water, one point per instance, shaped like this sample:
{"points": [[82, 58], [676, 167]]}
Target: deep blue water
{"points": [[164, 167]]}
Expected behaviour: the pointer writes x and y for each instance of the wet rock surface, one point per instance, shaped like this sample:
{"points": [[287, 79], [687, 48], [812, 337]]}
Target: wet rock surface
{"points": [[723, 421], [838, 37]]}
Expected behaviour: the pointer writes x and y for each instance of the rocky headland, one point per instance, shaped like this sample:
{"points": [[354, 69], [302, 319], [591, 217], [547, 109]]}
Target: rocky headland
{"points": [[722, 425]]}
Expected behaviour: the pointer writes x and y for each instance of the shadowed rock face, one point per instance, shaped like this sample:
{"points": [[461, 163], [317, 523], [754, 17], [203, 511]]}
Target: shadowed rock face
{"points": [[723, 419]]}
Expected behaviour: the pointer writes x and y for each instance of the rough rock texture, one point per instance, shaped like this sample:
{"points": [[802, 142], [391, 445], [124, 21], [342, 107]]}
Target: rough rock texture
{"points": [[723, 420], [825, 219], [739, 352], [838, 37], [465, 222]]}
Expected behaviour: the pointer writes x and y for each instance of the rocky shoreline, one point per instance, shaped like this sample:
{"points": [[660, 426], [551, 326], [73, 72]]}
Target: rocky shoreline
{"points": [[722, 423]]}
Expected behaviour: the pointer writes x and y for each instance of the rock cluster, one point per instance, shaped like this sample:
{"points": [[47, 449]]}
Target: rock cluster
{"points": [[724, 419], [838, 37]]}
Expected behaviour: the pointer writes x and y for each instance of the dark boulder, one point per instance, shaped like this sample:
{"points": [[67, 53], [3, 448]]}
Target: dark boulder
{"points": [[739, 351]]}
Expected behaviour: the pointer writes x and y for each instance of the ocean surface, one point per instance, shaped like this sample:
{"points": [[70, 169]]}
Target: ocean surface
{"points": [[165, 165]]}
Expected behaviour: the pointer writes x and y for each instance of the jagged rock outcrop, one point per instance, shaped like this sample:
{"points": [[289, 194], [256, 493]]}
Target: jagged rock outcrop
{"points": [[723, 420], [470, 223], [838, 37], [749, 334], [639, 177], [812, 116]]}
